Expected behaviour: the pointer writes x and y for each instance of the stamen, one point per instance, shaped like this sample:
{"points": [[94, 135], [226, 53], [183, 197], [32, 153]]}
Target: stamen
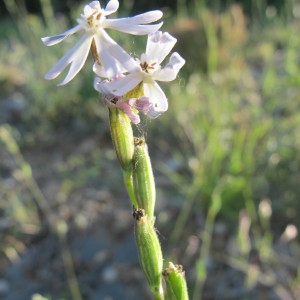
{"points": [[145, 67]]}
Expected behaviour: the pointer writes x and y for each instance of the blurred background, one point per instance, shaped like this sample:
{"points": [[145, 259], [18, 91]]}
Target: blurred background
{"points": [[225, 156]]}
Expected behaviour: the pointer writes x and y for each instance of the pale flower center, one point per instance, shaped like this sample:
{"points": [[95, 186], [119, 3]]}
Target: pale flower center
{"points": [[94, 19], [148, 68]]}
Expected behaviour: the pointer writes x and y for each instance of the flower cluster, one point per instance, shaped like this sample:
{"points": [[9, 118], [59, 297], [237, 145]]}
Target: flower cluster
{"points": [[125, 82]]}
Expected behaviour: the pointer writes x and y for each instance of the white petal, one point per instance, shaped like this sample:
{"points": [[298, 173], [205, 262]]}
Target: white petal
{"points": [[145, 18], [124, 26], [76, 56], [78, 61], [90, 8], [64, 60], [135, 25], [157, 97], [159, 45], [55, 39], [113, 57], [111, 7], [125, 60], [170, 71], [109, 63], [101, 87], [123, 85], [99, 70], [148, 17]]}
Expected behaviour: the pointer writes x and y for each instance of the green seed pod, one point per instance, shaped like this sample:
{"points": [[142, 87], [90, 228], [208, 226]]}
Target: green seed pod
{"points": [[143, 179], [176, 288], [149, 250], [122, 136]]}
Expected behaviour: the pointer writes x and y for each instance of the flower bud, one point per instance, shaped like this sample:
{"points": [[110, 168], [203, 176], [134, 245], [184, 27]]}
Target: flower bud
{"points": [[122, 136], [176, 288], [143, 179], [149, 250]]}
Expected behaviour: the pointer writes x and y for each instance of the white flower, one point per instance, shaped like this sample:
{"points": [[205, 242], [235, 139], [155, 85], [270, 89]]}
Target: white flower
{"points": [[148, 70], [93, 22]]}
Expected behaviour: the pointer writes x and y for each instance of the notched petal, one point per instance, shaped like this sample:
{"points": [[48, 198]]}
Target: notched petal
{"points": [[159, 45], [77, 63], [170, 71], [75, 56]]}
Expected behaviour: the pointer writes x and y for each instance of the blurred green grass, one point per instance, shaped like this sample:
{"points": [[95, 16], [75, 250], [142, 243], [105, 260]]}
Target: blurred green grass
{"points": [[229, 142]]}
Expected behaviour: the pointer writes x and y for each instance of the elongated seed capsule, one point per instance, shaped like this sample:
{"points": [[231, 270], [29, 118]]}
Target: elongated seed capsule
{"points": [[143, 179], [122, 136], [149, 250], [176, 288]]}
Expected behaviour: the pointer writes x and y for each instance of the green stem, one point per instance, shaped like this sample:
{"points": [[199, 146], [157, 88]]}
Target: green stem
{"points": [[128, 179]]}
